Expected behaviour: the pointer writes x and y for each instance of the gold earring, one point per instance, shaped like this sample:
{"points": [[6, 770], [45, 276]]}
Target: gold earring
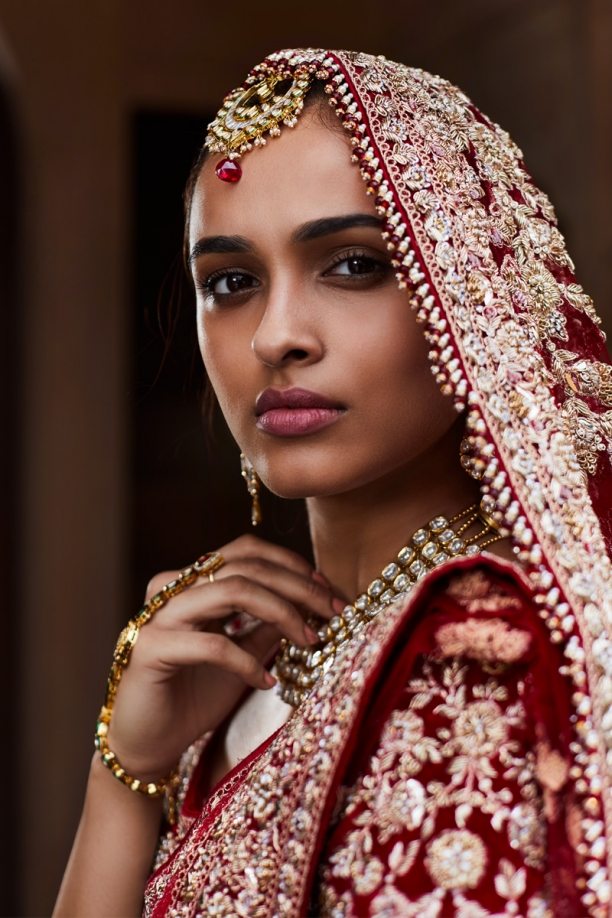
{"points": [[253, 482]]}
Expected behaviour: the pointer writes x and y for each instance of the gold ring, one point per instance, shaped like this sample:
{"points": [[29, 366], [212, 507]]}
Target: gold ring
{"points": [[208, 564]]}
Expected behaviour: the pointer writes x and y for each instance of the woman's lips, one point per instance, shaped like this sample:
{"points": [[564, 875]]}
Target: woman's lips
{"points": [[294, 412], [294, 422]]}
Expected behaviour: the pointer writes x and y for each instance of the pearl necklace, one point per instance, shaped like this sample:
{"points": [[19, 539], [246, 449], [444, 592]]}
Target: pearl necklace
{"points": [[298, 669]]}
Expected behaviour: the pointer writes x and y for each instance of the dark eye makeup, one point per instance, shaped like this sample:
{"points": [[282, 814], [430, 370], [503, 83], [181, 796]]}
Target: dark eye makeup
{"points": [[227, 282], [346, 267], [356, 264]]}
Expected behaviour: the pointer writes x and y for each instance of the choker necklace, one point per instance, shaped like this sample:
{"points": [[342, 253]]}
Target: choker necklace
{"points": [[298, 669]]}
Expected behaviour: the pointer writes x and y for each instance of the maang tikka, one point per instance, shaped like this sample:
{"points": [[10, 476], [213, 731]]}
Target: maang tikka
{"points": [[253, 482], [268, 99]]}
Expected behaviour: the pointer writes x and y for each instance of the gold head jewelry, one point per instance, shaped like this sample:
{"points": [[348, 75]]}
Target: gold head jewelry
{"points": [[253, 482], [267, 100], [248, 113]]}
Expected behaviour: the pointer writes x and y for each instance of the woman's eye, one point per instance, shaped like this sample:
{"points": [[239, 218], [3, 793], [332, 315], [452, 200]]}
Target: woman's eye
{"points": [[233, 282], [356, 265]]}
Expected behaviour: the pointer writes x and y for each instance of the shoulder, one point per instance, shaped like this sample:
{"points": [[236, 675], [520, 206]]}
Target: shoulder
{"points": [[481, 583], [486, 606], [481, 609], [454, 802]]}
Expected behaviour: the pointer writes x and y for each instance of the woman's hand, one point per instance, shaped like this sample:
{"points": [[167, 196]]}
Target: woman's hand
{"points": [[185, 674]]}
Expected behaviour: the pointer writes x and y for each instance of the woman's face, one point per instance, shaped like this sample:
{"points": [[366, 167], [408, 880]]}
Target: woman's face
{"points": [[318, 364]]}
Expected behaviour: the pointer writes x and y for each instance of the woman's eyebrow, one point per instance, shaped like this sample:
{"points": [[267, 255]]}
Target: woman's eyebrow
{"points": [[314, 229], [220, 245]]}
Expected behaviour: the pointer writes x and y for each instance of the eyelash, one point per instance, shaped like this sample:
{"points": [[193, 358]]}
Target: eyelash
{"points": [[207, 285], [356, 253]]}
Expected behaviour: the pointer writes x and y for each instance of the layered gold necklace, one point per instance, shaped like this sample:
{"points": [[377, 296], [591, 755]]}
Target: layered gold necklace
{"points": [[298, 669]]}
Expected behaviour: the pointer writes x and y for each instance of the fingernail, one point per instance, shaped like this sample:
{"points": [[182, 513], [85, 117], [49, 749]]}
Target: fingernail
{"points": [[311, 635], [338, 604], [321, 579], [269, 679]]}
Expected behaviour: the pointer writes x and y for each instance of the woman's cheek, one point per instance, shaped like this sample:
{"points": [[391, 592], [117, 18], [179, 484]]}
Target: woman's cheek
{"points": [[227, 370], [395, 379]]}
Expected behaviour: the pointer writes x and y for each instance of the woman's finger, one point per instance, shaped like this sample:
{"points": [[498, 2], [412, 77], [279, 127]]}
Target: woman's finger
{"points": [[249, 546], [183, 648], [157, 583], [231, 595], [245, 547], [304, 592]]}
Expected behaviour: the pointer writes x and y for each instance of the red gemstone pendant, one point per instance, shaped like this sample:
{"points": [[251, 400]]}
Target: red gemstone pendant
{"points": [[228, 170]]}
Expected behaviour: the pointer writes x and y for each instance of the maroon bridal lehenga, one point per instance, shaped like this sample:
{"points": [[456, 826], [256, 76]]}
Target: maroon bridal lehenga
{"points": [[456, 757]]}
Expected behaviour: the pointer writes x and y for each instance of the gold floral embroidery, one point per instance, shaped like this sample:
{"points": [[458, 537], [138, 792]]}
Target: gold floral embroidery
{"points": [[538, 907], [336, 906], [475, 748], [456, 859], [591, 432], [174, 800], [490, 639], [477, 593], [527, 834], [254, 855], [539, 238], [488, 324], [584, 377], [544, 297], [509, 885]]}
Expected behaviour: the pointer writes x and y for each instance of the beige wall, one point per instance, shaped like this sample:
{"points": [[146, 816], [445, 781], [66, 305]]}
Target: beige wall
{"points": [[540, 67]]}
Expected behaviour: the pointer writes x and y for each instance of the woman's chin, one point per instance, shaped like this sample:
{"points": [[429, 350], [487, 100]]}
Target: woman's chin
{"points": [[289, 491], [299, 486], [324, 481]]}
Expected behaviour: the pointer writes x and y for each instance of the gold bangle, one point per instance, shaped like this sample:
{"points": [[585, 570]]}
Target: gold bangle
{"points": [[110, 760], [203, 567]]}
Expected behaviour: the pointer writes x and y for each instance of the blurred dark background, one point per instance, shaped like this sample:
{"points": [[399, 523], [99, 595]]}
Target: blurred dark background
{"points": [[108, 472]]}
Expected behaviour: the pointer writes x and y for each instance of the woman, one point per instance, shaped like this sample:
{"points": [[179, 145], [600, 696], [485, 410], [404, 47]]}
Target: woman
{"points": [[436, 746]]}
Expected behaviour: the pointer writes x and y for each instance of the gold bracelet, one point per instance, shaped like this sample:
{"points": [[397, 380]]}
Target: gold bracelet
{"points": [[203, 567]]}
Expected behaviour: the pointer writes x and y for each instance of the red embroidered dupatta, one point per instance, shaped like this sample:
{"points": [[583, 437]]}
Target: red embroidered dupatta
{"points": [[515, 342], [257, 845]]}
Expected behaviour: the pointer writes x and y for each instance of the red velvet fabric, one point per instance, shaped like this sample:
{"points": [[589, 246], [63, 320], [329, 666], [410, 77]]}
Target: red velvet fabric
{"points": [[547, 704]]}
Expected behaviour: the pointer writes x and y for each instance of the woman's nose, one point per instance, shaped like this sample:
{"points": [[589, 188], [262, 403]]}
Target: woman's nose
{"points": [[286, 333]]}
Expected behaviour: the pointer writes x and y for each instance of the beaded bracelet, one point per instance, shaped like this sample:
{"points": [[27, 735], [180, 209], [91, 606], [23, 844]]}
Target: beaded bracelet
{"points": [[203, 567]]}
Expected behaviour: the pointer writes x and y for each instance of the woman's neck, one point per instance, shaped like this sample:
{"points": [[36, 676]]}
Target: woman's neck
{"points": [[354, 535]]}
